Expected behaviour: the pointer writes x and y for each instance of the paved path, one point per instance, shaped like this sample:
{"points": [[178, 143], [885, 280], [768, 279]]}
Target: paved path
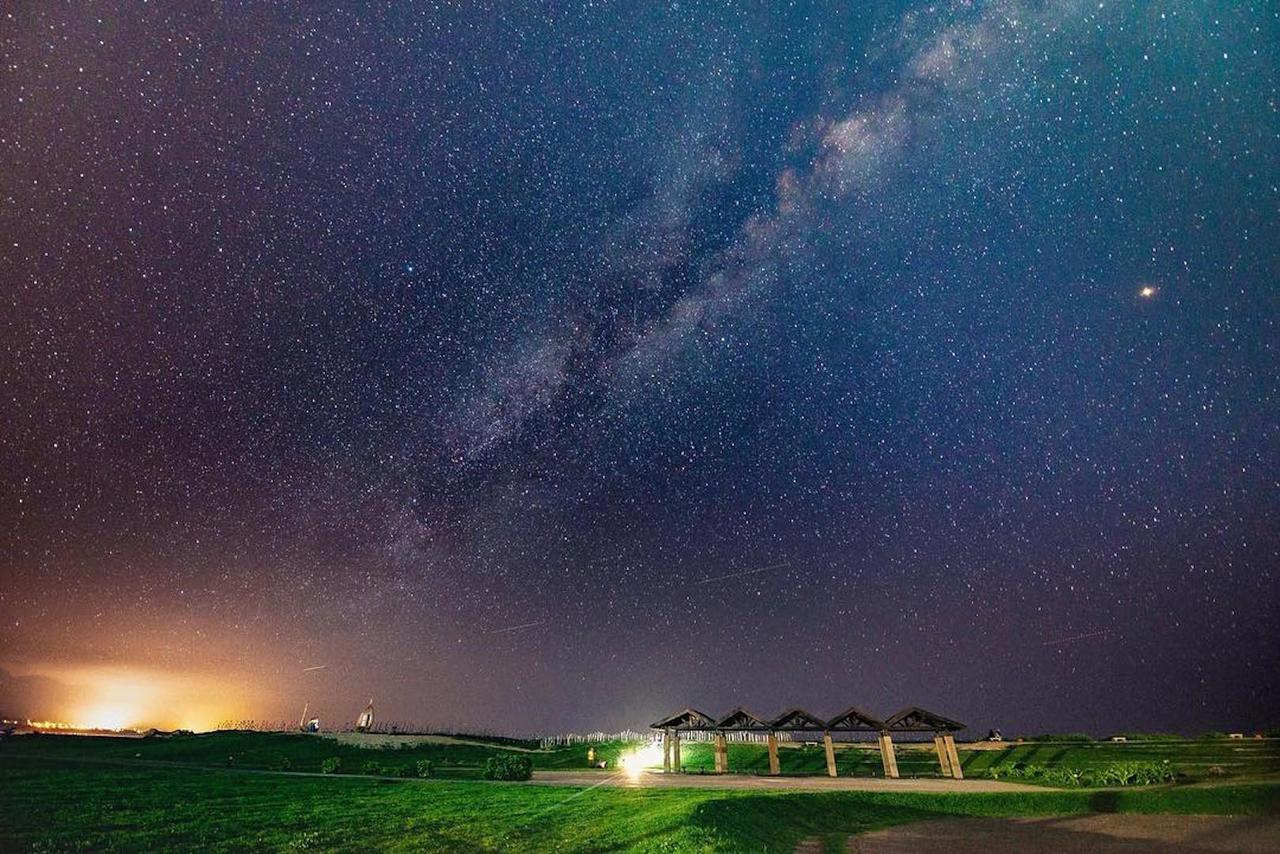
{"points": [[1088, 834], [650, 779]]}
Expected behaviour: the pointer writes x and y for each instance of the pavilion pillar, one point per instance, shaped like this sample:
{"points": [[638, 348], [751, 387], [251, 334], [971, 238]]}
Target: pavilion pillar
{"points": [[675, 751], [774, 768], [666, 751], [949, 741], [887, 757], [831, 754], [944, 761], [722, 754]]}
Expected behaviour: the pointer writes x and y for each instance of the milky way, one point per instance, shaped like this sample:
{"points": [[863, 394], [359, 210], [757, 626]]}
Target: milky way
{"points": [[554, 366]]}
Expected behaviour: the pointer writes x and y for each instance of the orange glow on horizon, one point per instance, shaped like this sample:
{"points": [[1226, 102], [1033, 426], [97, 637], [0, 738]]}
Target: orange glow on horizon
{"points": [[118, 698]]}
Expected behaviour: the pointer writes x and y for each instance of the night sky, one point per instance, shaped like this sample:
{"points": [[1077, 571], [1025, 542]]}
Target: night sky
{"points": [[537, 367]]}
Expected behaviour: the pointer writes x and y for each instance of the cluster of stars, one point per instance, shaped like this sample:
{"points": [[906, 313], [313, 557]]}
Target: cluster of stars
{"points": [[680, 352]]}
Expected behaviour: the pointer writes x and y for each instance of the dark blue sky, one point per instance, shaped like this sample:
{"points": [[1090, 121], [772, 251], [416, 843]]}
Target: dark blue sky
{"points": [[555, 366]]}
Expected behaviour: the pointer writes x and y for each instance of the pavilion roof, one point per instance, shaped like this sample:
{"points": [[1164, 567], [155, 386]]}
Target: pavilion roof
{"points": [[854, 718], [797, 719], [916, 719], [690, 719], [741, 719]]}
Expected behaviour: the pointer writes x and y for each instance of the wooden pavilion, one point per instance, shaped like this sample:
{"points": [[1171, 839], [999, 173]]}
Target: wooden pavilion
{"points": [[687, 720], [741, 720], [912, 719], [916, 719], [854, 719]]}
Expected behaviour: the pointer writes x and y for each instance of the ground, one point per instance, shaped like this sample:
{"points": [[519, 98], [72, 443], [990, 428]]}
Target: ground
{"points": [[1092, 834], [219, 793]]}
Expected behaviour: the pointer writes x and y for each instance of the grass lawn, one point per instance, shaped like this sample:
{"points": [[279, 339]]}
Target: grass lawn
{"points": [[48, 806], [1232, 760], [1193, 759], [62, 793]]}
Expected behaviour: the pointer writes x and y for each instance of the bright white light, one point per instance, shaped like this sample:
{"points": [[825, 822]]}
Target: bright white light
{"points": [[633, 763]]}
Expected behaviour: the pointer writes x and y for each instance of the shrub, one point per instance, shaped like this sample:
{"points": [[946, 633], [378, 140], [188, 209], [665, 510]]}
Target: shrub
{"points": [[1135, 774], [371, 767], [508, 767], [403, 771], [424, 768], [281, 763], [332, 765], [1115, 774]]}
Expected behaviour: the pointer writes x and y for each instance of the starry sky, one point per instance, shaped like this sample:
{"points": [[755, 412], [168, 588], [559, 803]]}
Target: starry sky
{"points": [[548, 366]]}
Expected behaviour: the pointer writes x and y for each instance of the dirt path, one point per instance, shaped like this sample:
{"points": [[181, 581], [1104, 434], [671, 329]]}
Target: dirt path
{"points": [[742, 781], [1089, 834]]}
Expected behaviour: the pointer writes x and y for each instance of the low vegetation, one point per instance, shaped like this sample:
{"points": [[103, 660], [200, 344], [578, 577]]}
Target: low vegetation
{"points": [[508, 767], [1114, 774]]}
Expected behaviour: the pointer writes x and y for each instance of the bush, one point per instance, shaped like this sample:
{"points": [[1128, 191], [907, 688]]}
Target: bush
{"points": [[403, 771], [281, 763], [332, 765], [1115, 774], [1061, 736], [508, 767], [371, 767], [424, 768]]}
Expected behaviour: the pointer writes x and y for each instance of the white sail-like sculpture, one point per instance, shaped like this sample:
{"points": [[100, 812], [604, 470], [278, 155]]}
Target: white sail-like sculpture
{"points": [[364, 722]]}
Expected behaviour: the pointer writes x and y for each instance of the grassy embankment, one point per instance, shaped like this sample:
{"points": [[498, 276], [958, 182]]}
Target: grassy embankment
{"points": [[60, 804], [1192, 759]]}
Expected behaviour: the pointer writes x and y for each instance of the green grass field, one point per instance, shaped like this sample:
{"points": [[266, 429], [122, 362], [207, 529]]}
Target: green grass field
{"points": [[1194, 759], [60, 793]]}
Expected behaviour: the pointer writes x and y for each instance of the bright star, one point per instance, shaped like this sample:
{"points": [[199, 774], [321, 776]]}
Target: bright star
{"points": [[1147, 292]]}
